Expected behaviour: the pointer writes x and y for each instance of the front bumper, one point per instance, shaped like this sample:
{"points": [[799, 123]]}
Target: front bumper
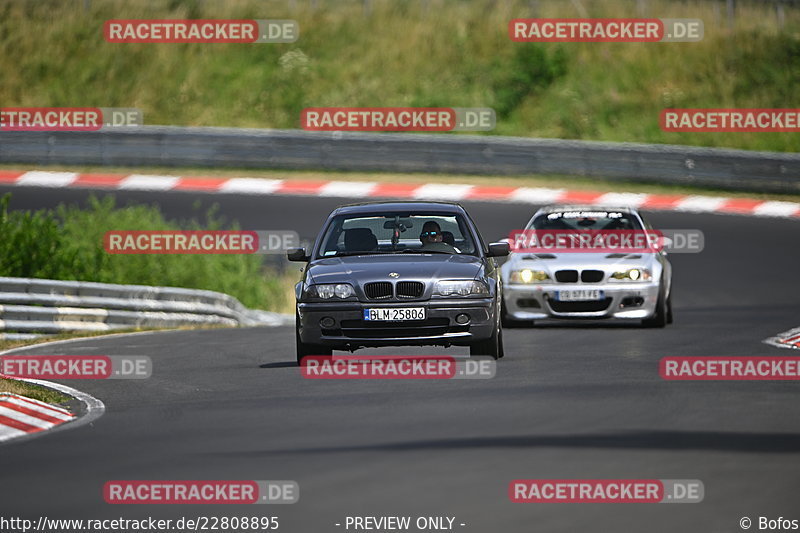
{"points": [[621, 300], [351, 331]]}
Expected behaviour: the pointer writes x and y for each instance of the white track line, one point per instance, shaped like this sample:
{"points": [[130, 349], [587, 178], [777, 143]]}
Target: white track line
{"points": [[430, 191], [351, 189], [37, 178], [250, 186], [142, 182]]}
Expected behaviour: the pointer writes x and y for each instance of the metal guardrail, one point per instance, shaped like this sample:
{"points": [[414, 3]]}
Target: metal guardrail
{"points": [[30, 307], [469, 154]]}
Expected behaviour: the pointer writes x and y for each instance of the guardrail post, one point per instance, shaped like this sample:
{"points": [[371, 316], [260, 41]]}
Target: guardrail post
{"points": [[731, 9]]}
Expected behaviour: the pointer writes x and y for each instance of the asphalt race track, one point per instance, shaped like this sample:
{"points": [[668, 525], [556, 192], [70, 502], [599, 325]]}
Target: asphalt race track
{"points": [[582, 401]]}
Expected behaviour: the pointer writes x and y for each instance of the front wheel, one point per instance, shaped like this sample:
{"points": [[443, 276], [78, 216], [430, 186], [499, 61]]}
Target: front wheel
{"points": [[493, 346], [509, 322], [662, 314], [669, 308], [305, 349]]}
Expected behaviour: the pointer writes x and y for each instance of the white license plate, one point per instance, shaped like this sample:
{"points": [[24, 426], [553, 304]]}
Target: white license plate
{"points": [[395, 314], [579, 295]]}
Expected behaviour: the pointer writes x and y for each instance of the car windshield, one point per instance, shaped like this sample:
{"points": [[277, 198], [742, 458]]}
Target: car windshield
{"points": [[585, 220], [395, 233]]}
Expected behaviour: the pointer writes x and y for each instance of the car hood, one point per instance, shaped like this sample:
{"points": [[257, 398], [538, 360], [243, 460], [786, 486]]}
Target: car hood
{"points": [[579, 260], [354, 269]]}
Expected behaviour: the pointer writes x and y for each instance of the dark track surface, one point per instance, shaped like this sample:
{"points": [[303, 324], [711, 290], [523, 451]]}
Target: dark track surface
{"points": [[569, 401]]}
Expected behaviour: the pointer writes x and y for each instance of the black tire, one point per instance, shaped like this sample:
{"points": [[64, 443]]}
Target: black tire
{"points": [[512, 323], [502, 352], [304, 349], [508, 322], [660, 318], [669, 308], [493, 346]]}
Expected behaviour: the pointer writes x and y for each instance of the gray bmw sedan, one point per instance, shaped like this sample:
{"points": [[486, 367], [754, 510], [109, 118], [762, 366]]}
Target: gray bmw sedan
{"points": [[399, 274]]}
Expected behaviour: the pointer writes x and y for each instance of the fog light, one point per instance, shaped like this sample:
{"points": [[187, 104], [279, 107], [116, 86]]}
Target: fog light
{"points": [[327, 322], [462, 318], [632, 301]]}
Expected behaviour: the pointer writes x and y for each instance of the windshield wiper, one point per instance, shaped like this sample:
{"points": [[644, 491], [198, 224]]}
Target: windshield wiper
{"points": [[418, 251], [365, 252]]}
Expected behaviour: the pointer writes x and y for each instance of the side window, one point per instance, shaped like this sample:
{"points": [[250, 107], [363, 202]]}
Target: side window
{"points": [[333, 241], [465, 230]]}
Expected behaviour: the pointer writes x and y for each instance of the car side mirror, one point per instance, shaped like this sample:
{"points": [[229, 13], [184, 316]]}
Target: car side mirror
{"points": [[498, 249], [298, 254]]}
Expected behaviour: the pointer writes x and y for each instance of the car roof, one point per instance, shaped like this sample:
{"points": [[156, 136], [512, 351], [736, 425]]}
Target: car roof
{"points": [[395, 205], [584, 207]]}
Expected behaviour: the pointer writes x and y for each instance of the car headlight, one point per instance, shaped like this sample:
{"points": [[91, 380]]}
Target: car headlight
{"points": [[528, 276], [461, 288], [329, 290], [632, 274]]}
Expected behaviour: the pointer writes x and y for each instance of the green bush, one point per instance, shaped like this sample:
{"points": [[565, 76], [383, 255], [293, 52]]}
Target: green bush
{"points": [[31, 244], [530, 69], [67, 243]]}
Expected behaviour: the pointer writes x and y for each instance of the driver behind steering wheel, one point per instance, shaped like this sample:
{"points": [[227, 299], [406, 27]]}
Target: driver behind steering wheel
{"points": [[431, 238]]}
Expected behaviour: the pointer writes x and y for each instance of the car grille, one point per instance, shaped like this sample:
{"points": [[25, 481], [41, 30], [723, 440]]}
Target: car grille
{"points": [[378, 290], [409, 289], [592, 276], [567, 276], [361, 329], [579, 307], [586, 276]]}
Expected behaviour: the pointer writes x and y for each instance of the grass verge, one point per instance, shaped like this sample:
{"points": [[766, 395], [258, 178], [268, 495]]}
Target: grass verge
{"points": [[8, 344], [29, 390], [421, 53]]}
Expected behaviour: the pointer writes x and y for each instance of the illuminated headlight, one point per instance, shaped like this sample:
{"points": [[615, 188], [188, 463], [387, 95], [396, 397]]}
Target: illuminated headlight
{"points": [[461, 288], [633, 274], [528, 276], [328, 291]]}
